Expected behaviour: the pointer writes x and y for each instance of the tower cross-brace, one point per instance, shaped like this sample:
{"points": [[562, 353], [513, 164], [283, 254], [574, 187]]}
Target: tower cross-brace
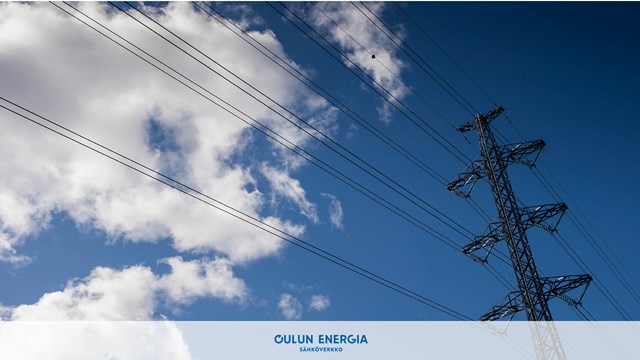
{"points": [[533, 291]]}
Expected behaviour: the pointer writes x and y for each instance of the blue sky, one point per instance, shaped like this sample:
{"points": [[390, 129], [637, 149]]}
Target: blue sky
{"points": [[566, 73]]}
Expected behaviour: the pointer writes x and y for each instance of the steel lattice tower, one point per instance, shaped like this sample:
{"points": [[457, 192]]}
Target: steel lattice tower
{"points": [[533, 291]]}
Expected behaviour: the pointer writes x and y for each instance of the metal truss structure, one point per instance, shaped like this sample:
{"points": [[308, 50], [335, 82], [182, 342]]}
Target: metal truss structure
{"points": [[533, 291]]}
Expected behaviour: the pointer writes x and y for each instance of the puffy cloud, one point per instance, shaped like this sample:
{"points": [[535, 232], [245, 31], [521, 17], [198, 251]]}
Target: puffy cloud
{"points": [[336, 215], [106, 294], [133, 293], [189, 280], [290, 307], [56, 66], [319, 302], [283, 185], [358, 38]]}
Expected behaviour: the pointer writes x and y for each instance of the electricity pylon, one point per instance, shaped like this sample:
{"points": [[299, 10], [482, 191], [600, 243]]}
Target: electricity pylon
{"points": [[533, 291]]}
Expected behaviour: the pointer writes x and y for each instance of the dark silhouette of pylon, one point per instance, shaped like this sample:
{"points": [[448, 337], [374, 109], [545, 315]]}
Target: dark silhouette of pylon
{"points": [[533, 291]]}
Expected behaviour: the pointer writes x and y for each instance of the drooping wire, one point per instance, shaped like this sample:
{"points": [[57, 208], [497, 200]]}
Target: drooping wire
{"points": [[466, 75], [377, 59], [389, 182], [606, 336], [585, 268], [304, 79], [579, 226], [343, 55], [470, 201], [586, 233], [603, 256], [256, 125], [369, 194], [280, 140], [579, 223], [432, 73], [229, 210], [415, 118]]}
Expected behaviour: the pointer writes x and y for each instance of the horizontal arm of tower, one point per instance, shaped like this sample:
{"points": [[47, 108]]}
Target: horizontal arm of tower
{"points": [[467, 179], [546, 217], [540, 216], [507, 307], [486, 118], [559, 286], [486, 241], [525, 153]]}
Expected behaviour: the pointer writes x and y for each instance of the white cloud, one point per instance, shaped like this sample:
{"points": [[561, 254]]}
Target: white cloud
{"points": [[283, 185], [319, 302], [189, 280], [371, 38], [290, 307], [56, 66], [133, 293], [336, 215]]}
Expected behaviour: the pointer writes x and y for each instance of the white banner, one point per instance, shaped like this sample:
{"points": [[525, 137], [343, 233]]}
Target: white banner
{"points": [[312, 340]]}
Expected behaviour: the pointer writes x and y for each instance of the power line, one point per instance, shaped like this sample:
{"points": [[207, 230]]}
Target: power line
{"points": [[591, 241], [476, 208], [584, 267], [325, 94], [294, 148], [393, 103], [437, 78], [566, 247], [466, 75], [281, 140], [411, 197], [351, 183], [377, 59], [435, 175], [344, 55], [600, 252], [575, 205], [229, 210]]}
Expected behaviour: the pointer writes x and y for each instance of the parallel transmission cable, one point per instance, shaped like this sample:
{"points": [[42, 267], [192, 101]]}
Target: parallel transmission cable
{"points": [[582, 214], [304, 79], [280, 140], [466, 75], [432, 73], [331, 140], [192, 193], [347, 67], [391, 183], [582, 228], [374, 85], [435, 175], [573, 218], [504, 258], [585, 268], [603, 256], [312, 159], [229, 210], [566, 247], [471, 202], [377, 59], [586, 234], [256, 125]]}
